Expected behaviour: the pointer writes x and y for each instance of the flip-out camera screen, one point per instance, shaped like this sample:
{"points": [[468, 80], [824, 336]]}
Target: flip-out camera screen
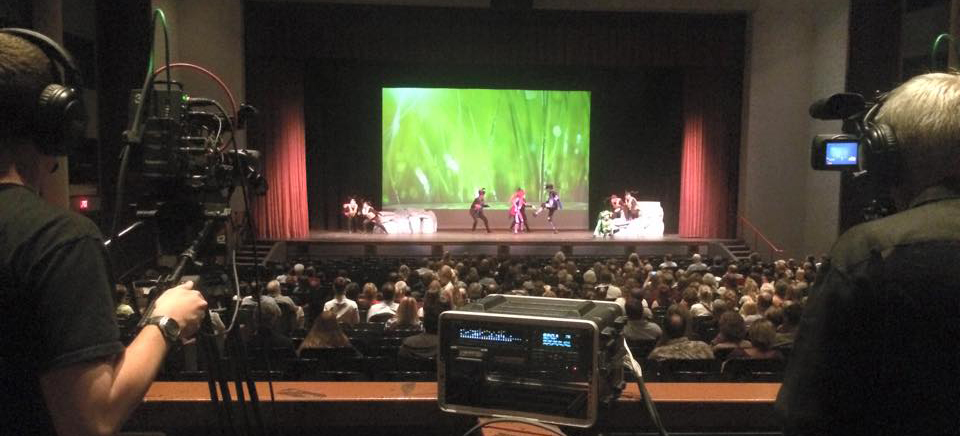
{"points": [[841, 153], [835, 153]]}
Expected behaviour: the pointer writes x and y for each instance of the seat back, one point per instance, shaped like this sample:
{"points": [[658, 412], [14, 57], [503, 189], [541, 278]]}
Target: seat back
{"points": [[686, 370], [754, 370], [641, 348], [705, 327], [381, 317]]}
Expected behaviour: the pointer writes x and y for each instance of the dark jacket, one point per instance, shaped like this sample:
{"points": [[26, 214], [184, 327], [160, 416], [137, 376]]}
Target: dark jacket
{"points": [[876, 350]]}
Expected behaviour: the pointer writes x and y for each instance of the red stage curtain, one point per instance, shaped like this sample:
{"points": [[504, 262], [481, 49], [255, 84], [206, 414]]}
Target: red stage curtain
{"points": [[704, 167], [279, 134]]}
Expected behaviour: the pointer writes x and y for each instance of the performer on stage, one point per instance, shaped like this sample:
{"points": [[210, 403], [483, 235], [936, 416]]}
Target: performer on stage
{"points": [[517, 204], [371, 216], [605, 226], [350, 211], [476, 210], [630, 206], [551, 205], [616, 206]]}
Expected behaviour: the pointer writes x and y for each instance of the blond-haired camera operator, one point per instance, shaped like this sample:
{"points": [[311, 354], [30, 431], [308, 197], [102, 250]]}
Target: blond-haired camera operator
{"points": [[62, 368], [876, 351]]}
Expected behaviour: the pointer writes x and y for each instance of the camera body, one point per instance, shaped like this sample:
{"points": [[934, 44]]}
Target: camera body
{"points": [[866, 147], [188, 169]]}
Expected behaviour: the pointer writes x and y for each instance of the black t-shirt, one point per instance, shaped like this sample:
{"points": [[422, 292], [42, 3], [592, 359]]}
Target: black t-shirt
{"points": [[56, 308]]}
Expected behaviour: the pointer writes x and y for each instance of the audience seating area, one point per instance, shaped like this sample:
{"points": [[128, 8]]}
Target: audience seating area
{"points": [[374, 356]]}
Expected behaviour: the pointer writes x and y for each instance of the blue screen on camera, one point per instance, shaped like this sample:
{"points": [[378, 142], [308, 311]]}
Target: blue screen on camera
{"points": [[841, 153]]}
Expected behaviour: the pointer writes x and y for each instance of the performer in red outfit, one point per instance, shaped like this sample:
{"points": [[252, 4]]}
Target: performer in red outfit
{"points": [[517, 203], [616, 205]]}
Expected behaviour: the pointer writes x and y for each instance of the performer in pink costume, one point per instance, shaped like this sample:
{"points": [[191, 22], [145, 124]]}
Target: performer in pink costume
{"points": [[517, 203]]}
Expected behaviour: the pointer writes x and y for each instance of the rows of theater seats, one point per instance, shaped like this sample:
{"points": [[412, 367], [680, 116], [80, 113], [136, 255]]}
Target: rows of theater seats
{"points": [[378, 360]]}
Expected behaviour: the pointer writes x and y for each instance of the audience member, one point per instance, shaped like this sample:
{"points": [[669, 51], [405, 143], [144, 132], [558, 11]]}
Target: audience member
{"points": [[668, 263], [750, 313], [732, 334], [704, 306], [719, 307], [386, 308], [346, 310], [291, 315], [263, 328], [765, 299], [423, 345], [732, 278], [775, 316], [122, 298], [406, 318], [696, 266], [761, 336], [640, 326], [400, 290], [368, 297], [792, 314], [674, 343], [689, 297], [326, 333]]}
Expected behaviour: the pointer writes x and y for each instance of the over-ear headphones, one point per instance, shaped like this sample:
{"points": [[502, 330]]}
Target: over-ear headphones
{"points": [[60, 119], [880, 151]]}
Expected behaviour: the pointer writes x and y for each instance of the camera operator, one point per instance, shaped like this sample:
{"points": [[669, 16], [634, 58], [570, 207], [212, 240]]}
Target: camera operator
{"points": [[62, 367], [876, 351]]}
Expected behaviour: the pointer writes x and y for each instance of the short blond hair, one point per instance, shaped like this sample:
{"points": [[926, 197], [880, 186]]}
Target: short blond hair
{"points": [[924, 114]]}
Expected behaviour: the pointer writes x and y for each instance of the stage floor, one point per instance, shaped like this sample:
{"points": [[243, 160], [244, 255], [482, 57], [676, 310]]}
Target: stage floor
{"points": [[496, 237], [537, 243]]}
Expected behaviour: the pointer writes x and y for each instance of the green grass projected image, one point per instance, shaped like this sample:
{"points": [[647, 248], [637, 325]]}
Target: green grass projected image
{"points": [[441, 145]]}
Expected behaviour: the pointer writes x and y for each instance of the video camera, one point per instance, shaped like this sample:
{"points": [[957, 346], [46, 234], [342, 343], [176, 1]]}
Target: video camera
{"points": [[184, 147], [864, 146], [188, 170], [842, 151]]}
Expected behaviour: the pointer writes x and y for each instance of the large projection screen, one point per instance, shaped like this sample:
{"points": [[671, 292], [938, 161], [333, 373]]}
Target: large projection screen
{"points": [[440, 145]]}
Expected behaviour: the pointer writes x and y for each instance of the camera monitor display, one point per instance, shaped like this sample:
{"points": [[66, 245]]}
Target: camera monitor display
{"points": [[841, 153], [835, 153]]}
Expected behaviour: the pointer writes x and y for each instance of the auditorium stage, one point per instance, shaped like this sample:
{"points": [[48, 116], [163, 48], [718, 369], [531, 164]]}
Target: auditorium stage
{"points": [[536, 243]]}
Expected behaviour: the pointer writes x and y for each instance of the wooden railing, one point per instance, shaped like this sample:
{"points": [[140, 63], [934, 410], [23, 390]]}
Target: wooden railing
{"points": [[411, 408], [773, 251]]}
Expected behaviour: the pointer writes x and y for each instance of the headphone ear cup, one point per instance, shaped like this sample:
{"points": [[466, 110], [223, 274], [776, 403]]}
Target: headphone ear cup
{"points": [[881, 153], [60, 120]]}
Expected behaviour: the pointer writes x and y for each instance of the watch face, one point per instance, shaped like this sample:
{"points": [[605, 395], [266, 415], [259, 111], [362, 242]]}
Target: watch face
{"points": [[170, 329]]}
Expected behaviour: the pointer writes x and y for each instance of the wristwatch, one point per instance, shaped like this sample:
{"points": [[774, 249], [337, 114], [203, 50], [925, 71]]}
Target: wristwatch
{"points": [[168, 327]]}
